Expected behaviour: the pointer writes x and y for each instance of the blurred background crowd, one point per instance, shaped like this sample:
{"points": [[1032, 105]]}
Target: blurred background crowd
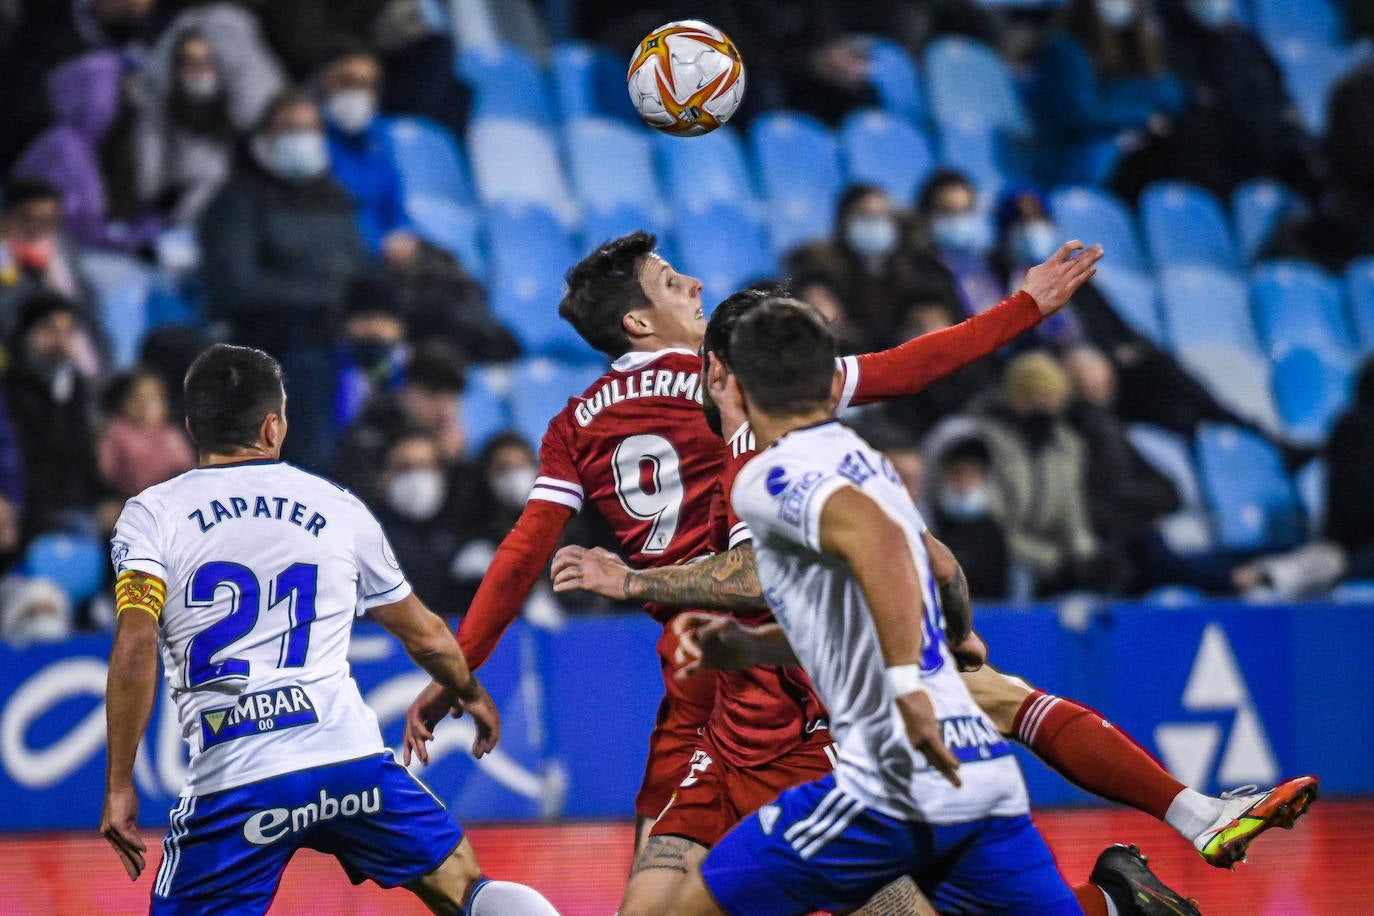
{"points": [[385, 195]]}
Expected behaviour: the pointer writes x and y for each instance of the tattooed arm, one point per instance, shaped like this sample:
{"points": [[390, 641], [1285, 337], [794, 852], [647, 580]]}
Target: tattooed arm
{"points": [[725, 581], [968, 647]]}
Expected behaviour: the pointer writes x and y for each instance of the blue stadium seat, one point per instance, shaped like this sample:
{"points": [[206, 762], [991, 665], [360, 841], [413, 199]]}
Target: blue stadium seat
{"points": [[704, 170], [888, 152], [73, 561], [589, 82], [506, 83], [429, 161], [893, 74], [452, 227], [1189, 530], [1311, 484], [1202, 305], [612, 165], [968, 80], [486, 407], [516, 162], [1184, 224], [980, 152], [1310, 70], [530, 253], [1313, 21], [1252, 499], [1239, 378], [1258, 208], [1133, 295], [603, 225], [724, 248], [1098, 217], [1311, 389], [1298, 304], [1359, 290], [122, 286], [540, 388], [798, 161]]}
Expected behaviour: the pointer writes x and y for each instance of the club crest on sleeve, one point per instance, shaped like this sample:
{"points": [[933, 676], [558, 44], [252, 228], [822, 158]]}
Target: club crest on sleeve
{"points": [[119, 550], [389, 555]]}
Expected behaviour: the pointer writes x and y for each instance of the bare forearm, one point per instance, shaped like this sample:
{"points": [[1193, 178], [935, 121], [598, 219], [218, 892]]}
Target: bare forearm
{"points": [[726, 581], [769, 645], [439, 656], [130, 690], [958, 607]]}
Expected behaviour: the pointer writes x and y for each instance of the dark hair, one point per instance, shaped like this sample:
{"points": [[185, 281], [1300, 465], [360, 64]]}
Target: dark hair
{"points": [[343, 47], [404, 434], [371, 293], [603, 288], [784, 356], [287, 98], [850, 199], [725, 316], [229, 392], [37, 307], [20, 191], [506, 439], [121, 387], [436, 366], [937, 182], [970, 449]]}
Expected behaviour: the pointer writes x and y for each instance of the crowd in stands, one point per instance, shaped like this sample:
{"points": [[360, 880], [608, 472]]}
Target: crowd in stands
{"points": [[375, 192]]}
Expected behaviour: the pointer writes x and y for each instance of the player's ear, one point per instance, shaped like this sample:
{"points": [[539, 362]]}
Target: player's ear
{"points": [[636, 323]]}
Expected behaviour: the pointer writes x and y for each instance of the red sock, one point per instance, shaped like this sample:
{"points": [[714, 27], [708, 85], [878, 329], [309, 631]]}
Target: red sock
{"points": [[1091, 899], [1094, 755]]}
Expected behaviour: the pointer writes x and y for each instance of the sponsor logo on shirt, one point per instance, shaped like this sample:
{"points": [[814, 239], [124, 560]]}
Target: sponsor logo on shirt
{"points": [[266, 827], [265, 711], [972, 738], [794, 496]]}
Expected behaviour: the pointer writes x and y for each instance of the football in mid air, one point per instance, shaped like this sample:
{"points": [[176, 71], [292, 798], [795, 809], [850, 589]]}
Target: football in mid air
{"points": [[686, 78]]}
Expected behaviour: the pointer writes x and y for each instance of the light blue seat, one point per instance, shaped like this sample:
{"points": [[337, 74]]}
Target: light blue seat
{"points": [[530, 254], [1133, 295], [589, 82], [1311, 484], [540, 388], [882, 150], [1311, 389], [516, 162], [1359, 291], [724, 248], [1253, 501], [452, 227], [1298, 304], [968, 80], [1310, 70], [1098, 217], [122, 286], [705, 170], [1189, 530], [1258, 208], [603, 225], [428, 160], [506, 83], [611, 166], [798, 162], [980, 152], [893, 74], [73, 561], [1238, 377], [1184, 224], [486, 407], [1313, 21], [1202, 305]]}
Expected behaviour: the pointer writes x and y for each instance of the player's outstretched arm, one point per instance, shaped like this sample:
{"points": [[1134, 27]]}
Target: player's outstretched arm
{"points": [[718, 642], [427, 640], [130, 690], [856, 529], [727, 581]]}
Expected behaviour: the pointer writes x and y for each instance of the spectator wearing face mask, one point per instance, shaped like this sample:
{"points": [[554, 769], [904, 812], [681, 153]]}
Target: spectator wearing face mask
{"points": [[1026, 236], [964, 512], [34, 254], [372, 351], [947, 209], [33, 611], [140, 445], [279, 246], [919, 413]]}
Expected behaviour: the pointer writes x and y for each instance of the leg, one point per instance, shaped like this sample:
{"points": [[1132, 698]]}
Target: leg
{"points": [[659, 873], [445, 890], [900, 898], [694, 898], [642, 827], [1003, 866]]}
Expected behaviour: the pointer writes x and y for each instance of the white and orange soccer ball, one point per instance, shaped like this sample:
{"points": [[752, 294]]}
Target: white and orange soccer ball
{"points": [[686, 78]]}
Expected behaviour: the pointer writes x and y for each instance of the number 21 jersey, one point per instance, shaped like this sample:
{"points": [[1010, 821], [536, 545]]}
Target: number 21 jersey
{"points": [[266, 566]]}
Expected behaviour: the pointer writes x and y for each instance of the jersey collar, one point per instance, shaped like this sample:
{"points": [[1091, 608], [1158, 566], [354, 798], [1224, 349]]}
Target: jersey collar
{"points": [[638, 359]]}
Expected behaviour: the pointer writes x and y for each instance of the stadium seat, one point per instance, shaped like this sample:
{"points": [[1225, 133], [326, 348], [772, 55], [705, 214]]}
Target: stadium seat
{"points": [[888, 152], [1253, 502], [981, 152], [1132, 294], [1310, 70], [429, 161], [705, 170], [1098, 217], [73, 561], [798, 162], [452, 227], [122, 285], [724, 248], [1313, 21], [1311, 484], [1184, 224], [530, 252], [603, 225], [540, 388], [1359, 290], [1239, 378], [486, 407], [611, 166], [1298, 304], [1189, 530], [505, 82], [1202, 305], [515, 162], [893, 74], [1258, 208], [1311, 390], [589, 82], [968, 80]]}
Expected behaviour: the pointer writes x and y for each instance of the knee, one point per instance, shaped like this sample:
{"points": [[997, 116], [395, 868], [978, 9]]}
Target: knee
{"points": [[999, 695]]}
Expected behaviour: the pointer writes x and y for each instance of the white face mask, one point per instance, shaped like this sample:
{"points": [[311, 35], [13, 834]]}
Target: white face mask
{"points": [[966, 506], [968, 231], [293, 155], [417, 494], [872, 236], [351, 110], [1116, 14], [511, 488], [200, 87]]}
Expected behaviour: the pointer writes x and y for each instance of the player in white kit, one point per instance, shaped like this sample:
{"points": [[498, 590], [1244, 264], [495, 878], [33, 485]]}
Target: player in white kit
{"points": [[247, 573], [924, 785]]}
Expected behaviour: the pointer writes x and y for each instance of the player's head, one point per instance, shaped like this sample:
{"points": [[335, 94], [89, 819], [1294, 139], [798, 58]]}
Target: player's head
{"points": [[235, 402], [715, 350], [783, 356], [624, 296]]}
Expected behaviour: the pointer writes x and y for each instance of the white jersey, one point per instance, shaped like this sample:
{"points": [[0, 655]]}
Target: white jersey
{"points": [[265, 567], [780, 495]]}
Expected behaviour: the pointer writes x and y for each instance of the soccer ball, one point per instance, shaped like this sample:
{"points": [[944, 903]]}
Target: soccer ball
{"points": [[686, 78]]}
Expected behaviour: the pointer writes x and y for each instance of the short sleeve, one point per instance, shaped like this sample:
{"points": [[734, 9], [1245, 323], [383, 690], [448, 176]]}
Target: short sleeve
{"points": [[380, 580], [135, 545], [558, 478], [849, 369], [785, 500]]}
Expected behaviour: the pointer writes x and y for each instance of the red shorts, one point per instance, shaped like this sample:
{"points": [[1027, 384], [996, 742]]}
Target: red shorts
{"points": [[682, 715], [717, 795]]}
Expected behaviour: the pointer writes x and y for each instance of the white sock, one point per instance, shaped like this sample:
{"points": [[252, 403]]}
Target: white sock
{"points": [[1111, 905], [505, 898], [1191, 813]]}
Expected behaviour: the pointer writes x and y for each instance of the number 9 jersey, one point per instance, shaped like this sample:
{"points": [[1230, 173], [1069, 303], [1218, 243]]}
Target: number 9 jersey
{"points": [[265, 567]]}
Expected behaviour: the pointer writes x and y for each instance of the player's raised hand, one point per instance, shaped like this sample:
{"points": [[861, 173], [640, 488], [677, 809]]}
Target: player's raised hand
{"points": [[923, 731], [433, 703], [971, 653], [485, 717], [119, 825], [1052, 283], [596, 570]]}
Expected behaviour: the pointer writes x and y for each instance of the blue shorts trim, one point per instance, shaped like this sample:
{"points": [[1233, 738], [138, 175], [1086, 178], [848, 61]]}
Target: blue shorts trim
{"points": [[225, 852]]}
